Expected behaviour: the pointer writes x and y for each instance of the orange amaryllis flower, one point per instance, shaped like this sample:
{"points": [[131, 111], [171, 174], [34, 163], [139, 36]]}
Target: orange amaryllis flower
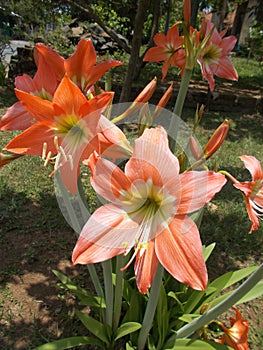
{"points": [[81, 66], [213, 58], [253, 190], [148, 208], [43, 85], [237, 335], [70, 113], [168, 50]]}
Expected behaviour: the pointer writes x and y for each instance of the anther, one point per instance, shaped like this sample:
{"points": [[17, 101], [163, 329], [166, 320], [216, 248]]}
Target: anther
{"points": [[44, 151], [48, 158], [56, 143], [63, 153]]}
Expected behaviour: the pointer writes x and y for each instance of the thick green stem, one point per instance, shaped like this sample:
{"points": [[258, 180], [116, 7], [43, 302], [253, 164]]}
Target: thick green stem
{"points": [[178, 108], [107, 275], [150, 309], [222, 307], [118, 292], [66, 196]]}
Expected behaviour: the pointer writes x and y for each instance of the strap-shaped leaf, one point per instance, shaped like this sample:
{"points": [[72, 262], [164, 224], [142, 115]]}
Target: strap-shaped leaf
{"points": [[85, 297], [95, 327], [254, 293], [208, 250], [68, 343], [193, 344], [127, 328], [162, 316]]}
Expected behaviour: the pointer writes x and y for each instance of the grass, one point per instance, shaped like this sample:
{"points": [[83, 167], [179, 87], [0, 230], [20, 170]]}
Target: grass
{"points": [[28, 208], [250, 72]]}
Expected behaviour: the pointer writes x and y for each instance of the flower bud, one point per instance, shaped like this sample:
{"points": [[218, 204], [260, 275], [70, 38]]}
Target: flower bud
{"points": [[6, 158], [216, 140]]}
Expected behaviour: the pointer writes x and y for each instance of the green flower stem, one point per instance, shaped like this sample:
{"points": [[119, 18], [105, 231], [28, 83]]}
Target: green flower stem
{"points": [[212, 314], [178, 108], [118, 292], [77, 227], [151, 307], [107, 275]]}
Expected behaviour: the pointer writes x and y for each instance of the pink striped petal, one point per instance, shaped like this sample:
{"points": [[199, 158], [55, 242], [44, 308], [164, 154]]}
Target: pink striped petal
{"points": [[108, 232], [198, 188], [108, 180], [152, 154], [179, 250], [145, 267], [254, 167]]}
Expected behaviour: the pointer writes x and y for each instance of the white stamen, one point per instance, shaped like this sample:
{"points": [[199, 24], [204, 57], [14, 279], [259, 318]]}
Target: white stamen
{"points": [[44, 151]]}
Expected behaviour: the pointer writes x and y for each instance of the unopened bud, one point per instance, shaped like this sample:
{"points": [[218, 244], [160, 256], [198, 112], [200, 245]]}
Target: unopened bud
{"points": [[145, 119], [6, 158], [216, 140]]}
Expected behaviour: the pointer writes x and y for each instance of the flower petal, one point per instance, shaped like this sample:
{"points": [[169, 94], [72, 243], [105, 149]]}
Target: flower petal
{"points": [[179, 250], [198, 188], [225, 69], [152, 155], [69, 97], [16, 118], [32, 139], [52, 58], [145, 267], [254, 167], [108, 232], [40, 109], [108, 180]]}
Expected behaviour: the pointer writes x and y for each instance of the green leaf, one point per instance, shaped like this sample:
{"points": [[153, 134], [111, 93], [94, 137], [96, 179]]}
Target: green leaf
{"points": [[85, 297], [188, 317], [162, 316], [134, 311], [225, 281], [254, 293], [129, 347], [189, 344], [68, 343], [230, 278], [208, 250], [127, 328], [178, 301], [95, 327], [193, 301]]}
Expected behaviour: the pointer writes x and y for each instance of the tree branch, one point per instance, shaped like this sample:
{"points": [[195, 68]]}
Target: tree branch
{"points": [[92, 15]]}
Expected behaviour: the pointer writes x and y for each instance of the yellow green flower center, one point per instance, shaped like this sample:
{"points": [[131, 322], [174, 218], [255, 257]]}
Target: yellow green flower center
{"points": [[211, 54], [74, 129], [44, 95], [150, 205]]}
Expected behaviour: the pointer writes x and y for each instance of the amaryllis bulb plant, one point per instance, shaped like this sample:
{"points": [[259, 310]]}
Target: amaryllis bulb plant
{"points": [[151, 178]]}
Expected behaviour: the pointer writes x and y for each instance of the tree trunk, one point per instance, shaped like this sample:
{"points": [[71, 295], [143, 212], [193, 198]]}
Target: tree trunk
{"points": [[194, 12], [154, 30], [238, 21], [168, 15], [222, 15], [135, 51]]}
